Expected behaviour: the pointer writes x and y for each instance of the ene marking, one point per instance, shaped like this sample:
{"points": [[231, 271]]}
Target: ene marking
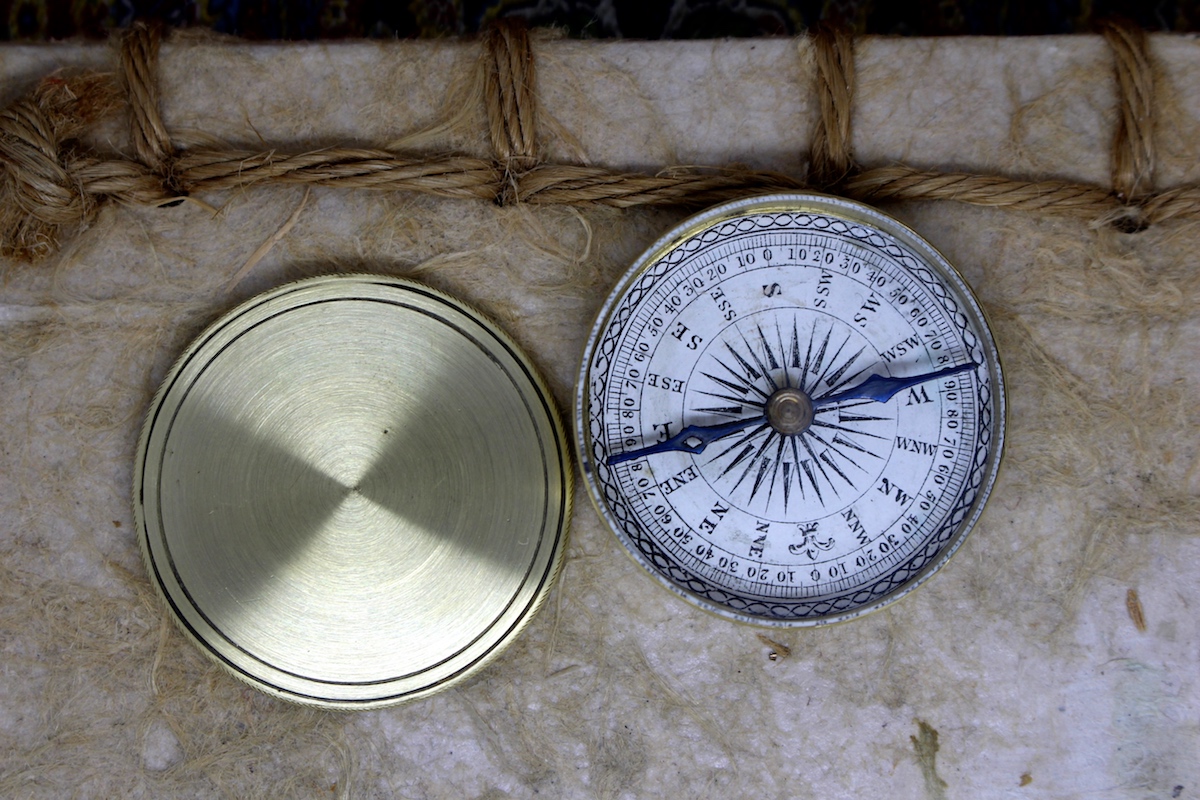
{"points": [[679, 479]]}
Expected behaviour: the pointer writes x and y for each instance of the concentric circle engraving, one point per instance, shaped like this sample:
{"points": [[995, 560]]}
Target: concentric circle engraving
{"points": [[352, 491]]}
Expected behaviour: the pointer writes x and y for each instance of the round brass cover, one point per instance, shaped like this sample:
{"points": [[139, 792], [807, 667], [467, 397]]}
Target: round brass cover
{"points": [[353, 491]]}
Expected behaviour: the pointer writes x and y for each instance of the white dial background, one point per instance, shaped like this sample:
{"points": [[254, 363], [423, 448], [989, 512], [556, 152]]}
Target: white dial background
{"points": [[809, 526]]}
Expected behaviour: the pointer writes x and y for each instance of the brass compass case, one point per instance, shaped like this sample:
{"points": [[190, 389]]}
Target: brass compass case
{"points": [[352, 491], [790, 410]]}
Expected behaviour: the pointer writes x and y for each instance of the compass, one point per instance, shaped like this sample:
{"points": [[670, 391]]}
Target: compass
{"points": [[791, 410]]}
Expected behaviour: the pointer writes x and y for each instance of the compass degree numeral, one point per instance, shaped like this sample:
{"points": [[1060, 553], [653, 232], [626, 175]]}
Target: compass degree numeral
{"points": [[705, 275]]}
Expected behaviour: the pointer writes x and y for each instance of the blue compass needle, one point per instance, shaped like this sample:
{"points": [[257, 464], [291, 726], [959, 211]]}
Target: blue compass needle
{"points": [[694, 438], [882, 389]]}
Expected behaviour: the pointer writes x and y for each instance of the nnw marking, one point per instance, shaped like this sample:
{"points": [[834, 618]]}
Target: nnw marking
{"points": [[856, 526]]}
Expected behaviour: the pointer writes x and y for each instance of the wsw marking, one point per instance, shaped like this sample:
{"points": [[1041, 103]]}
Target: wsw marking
{"points": [[900, 349], [916, 446]]}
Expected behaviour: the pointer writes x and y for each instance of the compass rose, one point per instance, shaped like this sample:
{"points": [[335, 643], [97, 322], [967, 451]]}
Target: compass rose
{"points": [[780, 370]]}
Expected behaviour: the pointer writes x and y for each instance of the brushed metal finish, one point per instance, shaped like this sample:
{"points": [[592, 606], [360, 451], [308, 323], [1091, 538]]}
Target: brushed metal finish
{"points": [[353, 491]]}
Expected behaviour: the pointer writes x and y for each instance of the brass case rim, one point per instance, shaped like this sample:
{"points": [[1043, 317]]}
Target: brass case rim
{"points": [[561, 451]]}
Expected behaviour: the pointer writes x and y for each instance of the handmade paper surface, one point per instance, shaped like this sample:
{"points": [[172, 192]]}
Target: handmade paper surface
{"points": [[1054, 656]]}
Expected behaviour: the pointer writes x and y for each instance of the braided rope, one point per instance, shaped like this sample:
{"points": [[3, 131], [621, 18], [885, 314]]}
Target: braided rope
{"points": [[48, 187]]}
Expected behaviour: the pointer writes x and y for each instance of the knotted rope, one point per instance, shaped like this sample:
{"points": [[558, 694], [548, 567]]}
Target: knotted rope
{"points": [[49, 185]]}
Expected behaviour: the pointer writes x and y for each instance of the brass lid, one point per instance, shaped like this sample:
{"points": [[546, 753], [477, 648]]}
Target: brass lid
{"points": [[353, 491]]}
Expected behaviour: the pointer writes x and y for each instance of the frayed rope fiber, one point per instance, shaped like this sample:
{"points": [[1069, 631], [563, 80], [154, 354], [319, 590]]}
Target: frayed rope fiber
{"points": [[51, 186]]}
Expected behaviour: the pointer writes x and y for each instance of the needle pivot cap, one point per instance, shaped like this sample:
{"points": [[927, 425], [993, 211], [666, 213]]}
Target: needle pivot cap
{"points": [[789, 411]]}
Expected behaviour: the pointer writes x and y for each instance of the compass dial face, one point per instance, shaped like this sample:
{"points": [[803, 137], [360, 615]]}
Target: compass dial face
{"points": [[790, 410]]}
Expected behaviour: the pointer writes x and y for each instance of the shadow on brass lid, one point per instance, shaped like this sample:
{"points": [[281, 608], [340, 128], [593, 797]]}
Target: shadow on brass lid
{"points": [[353, 491]]}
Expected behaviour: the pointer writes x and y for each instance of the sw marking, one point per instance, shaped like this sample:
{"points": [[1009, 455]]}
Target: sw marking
{"points": [[871, 306]]}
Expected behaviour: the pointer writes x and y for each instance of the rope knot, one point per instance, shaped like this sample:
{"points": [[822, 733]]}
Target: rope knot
{"points": [[512, 171], [41, 191]]}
